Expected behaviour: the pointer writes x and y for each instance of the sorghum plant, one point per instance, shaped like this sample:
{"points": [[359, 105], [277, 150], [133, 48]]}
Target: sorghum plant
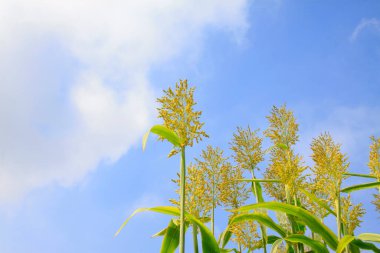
{"points": [[301, 201]]}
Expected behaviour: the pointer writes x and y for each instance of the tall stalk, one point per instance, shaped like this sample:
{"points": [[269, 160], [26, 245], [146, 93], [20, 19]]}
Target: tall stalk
{"points": [[338, 215], [262, 229], [195, 238], [291, 220], [213, 207], [182, 202]]}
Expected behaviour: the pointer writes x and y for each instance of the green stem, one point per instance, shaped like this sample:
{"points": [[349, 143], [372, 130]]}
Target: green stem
{"points": [[182, 202], [213, 206], [195, 238], [262, 228], [213, 218], [299, 245], [290, 218], [338, 215]]}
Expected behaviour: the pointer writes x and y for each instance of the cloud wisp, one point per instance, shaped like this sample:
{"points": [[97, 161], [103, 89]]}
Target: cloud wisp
{"points": [[56, 125], [363, 25]]}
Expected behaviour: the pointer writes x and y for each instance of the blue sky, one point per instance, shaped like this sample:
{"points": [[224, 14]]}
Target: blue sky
{"points": [[79, 81]]}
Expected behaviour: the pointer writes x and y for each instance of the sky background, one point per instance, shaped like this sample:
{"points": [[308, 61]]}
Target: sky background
{"points": [[78, 82]]}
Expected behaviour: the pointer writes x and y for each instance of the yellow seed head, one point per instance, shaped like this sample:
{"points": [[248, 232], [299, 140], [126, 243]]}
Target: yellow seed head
{"points": [[198, 196], [283, 127], [351, 214], [374, 157], [247, 148], [330, 165], [177, 111], [245, 234]]}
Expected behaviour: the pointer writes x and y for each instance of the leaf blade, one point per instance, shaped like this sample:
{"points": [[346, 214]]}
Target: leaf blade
{"points": [[209, 243], [309, 219], [171, 238], [360, 187], [343, 243], [164, 133], [315, 245], [262, 219]]}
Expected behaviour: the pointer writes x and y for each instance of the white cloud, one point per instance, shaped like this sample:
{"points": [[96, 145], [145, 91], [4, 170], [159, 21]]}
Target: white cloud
{"points": [[365, 24], [57, 126]]}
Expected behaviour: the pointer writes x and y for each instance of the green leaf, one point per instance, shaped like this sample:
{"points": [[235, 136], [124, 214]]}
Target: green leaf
{"points": [[313, 244], [275, 245], [359, 175], [314, 198], [262, 219], [309, 219], [259, 190], [360, 187], [209, 243], [260, 180], [164, 133], [272, 238], [160, 233], [343, 243], [224, 237], [369, 237], [366, 245], [171, 238]]}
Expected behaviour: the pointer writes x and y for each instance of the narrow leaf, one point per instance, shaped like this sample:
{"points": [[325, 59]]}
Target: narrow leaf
{"points": [[359, 175], [260, 180], [369, 237], [343, 243], [171, 238], [225, 237], [314, 198], [366, 245], [275, 245], [309, 219], [313, 244], [360, 187], [160, 233], [209, 243], [164, 133], [262, 219], [272, 238]]}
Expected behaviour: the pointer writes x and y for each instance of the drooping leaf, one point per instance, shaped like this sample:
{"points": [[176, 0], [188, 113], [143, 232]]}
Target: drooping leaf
{"points": [[313, 244], [272, 238], [164, 133], [275, 245], [359, 175], [309, 219], [259, 192], [369, 237], [315, 199], [260, 180], [171, 238], [209, 243], [160, 233], [344, 242], [360, 187], [224, 237], [261, 218], [366, 245]]}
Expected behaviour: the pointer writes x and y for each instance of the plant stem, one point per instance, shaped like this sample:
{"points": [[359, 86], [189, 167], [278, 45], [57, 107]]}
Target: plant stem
{"points": [[195, 238], [291, 220], [338, 215], [213, 218], [262, 229], [182, 202]]}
